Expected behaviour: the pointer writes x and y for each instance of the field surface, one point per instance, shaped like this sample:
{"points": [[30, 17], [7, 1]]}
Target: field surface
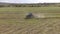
{"points": [[12, 20]]}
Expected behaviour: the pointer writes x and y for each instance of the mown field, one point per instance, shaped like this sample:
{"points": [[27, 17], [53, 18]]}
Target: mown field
{"points": [[12, 20]]}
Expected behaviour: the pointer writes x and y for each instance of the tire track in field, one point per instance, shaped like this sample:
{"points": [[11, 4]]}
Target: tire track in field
{"points": [[37, 26], [30, 31], [3, 27], [48, 27], [23, 29], [9, 29], [27, 29], [17, 28]]}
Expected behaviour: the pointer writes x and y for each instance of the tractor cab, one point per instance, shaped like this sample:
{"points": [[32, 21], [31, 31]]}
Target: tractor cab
{"points": [[29, 15]]}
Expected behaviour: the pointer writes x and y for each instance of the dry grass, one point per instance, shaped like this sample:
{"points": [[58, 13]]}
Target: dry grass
{"points": [[14, 23]]}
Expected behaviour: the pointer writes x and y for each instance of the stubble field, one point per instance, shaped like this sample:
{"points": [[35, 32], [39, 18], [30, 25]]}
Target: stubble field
{"points": [[12, 21]]}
